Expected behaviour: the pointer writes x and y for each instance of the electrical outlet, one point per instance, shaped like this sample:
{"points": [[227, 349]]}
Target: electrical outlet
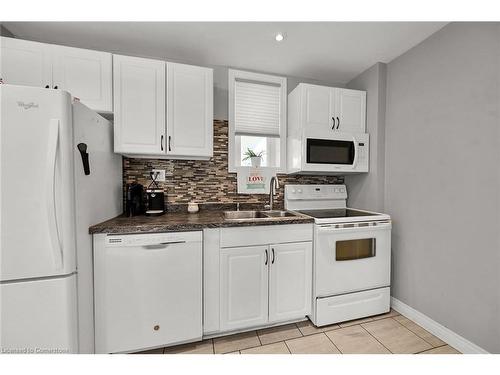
{"points": [[161, 174]]}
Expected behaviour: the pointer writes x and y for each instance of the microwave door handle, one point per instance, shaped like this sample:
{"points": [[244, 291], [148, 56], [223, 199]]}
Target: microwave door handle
{"points": [[356, 151]]}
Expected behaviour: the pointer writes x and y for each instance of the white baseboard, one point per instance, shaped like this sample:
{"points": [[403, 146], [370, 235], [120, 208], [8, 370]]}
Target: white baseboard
{"points": [[458, 342]]}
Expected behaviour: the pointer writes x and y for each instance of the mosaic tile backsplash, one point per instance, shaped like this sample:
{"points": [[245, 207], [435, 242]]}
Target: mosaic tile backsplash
{"points": [[207, 181]]}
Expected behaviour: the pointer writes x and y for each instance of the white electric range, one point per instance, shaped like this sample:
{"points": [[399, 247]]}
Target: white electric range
{"points": [[351, 254]]}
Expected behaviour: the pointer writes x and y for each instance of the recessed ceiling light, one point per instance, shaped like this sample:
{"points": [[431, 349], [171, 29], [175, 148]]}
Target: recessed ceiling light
{"points": [[279, 37]]}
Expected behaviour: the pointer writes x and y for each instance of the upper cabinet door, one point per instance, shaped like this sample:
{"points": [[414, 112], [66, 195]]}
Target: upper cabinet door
{"points": [[351, 110], [189, 110], [318, 104], [243, 281], [139, 105], [290, 281], [85, 74], [25, 63]]}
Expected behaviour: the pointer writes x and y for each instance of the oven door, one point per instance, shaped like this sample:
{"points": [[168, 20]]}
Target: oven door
{"points": [[349, 259]]}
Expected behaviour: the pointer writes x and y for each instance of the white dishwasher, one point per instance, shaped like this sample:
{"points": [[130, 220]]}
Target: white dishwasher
{"points": [[148, 291]]}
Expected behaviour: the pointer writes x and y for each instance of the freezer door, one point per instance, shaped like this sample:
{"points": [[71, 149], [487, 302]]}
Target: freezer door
{"points": [[98, 197], [39, 316], [37, 198]]}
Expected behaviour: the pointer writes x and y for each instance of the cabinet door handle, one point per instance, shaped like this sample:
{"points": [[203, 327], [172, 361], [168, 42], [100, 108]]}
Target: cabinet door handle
{"points": [[55, 87], [272, 261], [161, 142], [47, 86], [169, 143], [267, 258], [333, 126], [338, 123]]}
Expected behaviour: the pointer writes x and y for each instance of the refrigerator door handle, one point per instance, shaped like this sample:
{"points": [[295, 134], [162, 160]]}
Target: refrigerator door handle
{"points": [[51, 192]]}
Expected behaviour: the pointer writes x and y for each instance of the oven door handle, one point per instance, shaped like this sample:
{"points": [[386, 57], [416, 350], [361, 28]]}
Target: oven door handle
{"points": [[322, 229]]}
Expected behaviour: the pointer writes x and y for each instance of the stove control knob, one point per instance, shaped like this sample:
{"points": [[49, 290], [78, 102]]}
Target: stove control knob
{"points": [[294, 191], [299, 191]]}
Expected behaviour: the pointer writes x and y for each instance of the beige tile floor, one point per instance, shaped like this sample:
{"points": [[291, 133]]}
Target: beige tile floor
{"points": [[381, 334]]}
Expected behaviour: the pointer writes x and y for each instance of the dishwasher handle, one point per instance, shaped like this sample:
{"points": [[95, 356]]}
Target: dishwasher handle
{"points": [[153, 240], [161, 245]]}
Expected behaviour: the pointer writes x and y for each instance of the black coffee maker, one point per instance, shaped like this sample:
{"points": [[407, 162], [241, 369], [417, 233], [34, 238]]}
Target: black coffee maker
{"points": [[155, 197], [135, 199]]}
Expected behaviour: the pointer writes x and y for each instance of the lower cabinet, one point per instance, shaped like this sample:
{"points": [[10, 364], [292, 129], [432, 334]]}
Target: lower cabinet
{"points": [[244, 286], [290, 281], [264, 284]]}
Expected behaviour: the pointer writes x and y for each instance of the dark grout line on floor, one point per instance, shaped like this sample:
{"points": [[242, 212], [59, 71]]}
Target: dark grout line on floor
{"points": [[376, 338], [328, 337]]}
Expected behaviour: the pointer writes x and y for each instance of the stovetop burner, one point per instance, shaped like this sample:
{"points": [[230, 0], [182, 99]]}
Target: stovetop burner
{"points": [[336, 212]]}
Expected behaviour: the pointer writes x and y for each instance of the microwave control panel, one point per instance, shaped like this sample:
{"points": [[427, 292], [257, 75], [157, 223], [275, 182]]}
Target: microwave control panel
{"points": [[362, 157]]}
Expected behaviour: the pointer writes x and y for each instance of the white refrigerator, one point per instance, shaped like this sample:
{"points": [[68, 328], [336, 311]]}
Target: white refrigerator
{"points": [[47, 204]]}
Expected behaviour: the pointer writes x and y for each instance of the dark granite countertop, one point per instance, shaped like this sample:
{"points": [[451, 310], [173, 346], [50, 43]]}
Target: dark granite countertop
{"points": [[183, 221]]}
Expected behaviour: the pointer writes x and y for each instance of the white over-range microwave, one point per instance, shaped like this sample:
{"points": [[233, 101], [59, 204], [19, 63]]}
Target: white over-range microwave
{"points": [[326, 153]]}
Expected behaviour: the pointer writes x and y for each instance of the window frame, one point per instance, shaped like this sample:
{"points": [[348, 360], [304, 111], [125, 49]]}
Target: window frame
{"points": [[234, 75]]}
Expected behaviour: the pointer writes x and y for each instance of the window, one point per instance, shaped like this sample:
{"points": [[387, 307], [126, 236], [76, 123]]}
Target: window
{"points": [[257, 118]]}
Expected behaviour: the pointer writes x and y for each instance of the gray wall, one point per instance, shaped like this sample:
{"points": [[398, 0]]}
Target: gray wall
{"points": [[443, 179], [366, 190], [5, 32]]}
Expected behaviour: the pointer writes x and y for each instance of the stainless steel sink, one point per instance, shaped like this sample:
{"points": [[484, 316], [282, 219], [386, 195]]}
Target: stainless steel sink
{"points": [[255, 215], [279, 213]]}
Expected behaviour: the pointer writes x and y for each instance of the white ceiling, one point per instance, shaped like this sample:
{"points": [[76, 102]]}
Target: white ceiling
{"points": [[325, 51]]}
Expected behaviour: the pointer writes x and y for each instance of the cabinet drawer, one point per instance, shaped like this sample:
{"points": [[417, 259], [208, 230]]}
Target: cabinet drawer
{"points": [[265, 234], [350, 306]]}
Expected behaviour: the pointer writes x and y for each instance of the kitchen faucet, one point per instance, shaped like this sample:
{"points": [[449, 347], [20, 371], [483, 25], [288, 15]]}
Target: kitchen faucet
{"points": [[272, 190]]}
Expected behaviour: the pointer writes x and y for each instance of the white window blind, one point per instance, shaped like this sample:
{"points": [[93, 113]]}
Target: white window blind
{"points": [[256, 108]]}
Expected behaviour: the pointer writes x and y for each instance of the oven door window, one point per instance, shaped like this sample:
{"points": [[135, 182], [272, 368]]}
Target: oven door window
{"points": [[325, 151], [355, 249]]}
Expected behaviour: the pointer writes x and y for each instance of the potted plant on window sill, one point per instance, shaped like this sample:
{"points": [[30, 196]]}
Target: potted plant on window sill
{"points": [[255, 157]]}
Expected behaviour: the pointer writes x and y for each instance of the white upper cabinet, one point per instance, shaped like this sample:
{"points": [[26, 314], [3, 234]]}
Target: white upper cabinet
{"points": [[290, 281], [244, 291], [189, 110], [319, 104], [162, 109], [25, 63], [139, 105], [351, 110], [323, 108], [86, 74]]}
